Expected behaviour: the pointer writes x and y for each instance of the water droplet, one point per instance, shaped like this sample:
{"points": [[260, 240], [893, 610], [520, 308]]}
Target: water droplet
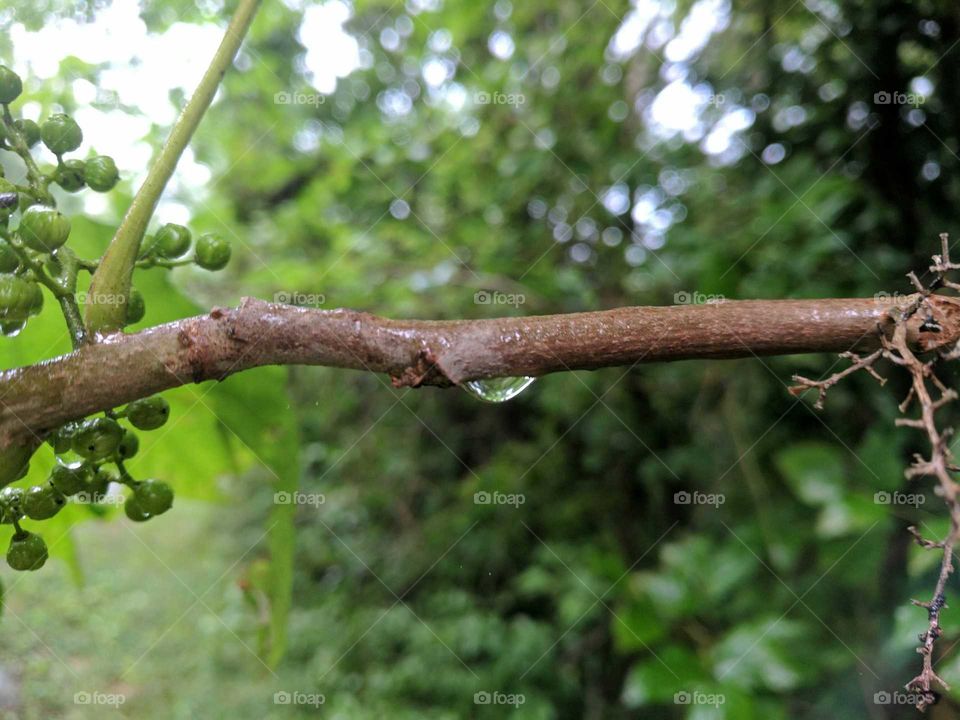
{"points": [[498, 390], [12, 329]]}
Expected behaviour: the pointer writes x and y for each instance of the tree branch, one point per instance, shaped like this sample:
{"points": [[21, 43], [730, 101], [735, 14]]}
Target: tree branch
{"points": [[121, 367]]}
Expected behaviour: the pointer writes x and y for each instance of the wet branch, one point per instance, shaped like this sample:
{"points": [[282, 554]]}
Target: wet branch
{"points": [[122, 367]]}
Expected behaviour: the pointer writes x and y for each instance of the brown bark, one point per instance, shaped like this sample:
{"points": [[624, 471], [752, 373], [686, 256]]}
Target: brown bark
{"points": [[123, 367]]}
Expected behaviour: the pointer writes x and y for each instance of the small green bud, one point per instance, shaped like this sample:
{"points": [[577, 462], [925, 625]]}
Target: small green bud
{"points": [[148, 413], [42, 502], [70, 175], [136, 307], [19, 299], [44, 229], [129, 445], [61, 134], [9, 261], [101, 173], [212, 251], [29, 129], [133, 510], [97, 438], [172, 241], [27, 551], [10, 85], [153, 496], [69, 479]]}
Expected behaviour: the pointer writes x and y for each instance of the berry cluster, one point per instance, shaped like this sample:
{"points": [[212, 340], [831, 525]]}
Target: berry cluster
{"points": [[83, 449], [34, 255]]}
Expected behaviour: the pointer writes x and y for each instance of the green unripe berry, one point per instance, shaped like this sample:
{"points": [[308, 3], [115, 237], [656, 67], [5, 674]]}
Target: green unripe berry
{"points": [[42, 502], [9, 261], [172, 241], [129, 445], [97, 438], [61, 134], [10, 85], [148, 413], [101, 173], [212, 252], [100, 483], [19, 299], [26, 552], [70, 176], [69, 479], [62, 439], [44, 229], [133, 510], [154, 497], [11, 504], [29, 130], [136, 307], [9, 199]]}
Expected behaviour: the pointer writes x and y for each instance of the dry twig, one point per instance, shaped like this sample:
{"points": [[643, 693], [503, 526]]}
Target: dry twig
{"points": [[930, 394]]}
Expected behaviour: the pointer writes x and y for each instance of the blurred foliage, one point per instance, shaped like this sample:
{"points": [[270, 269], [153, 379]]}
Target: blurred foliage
{"points": [[601, 595]]}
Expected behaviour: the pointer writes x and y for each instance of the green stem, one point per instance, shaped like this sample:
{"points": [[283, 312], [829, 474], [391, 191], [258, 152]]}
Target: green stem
{"points": [[71, 313], [153, 262], [111, 281], [19, 145]]}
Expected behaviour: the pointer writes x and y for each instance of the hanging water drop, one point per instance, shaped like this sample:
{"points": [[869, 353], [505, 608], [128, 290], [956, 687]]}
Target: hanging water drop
{"points": [[12, 329], [498, 390]]}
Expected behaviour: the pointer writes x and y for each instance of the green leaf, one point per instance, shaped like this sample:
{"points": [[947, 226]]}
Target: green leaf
{"points": [[674, 669], [814, 471], [256, 411], [778, 654]]}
